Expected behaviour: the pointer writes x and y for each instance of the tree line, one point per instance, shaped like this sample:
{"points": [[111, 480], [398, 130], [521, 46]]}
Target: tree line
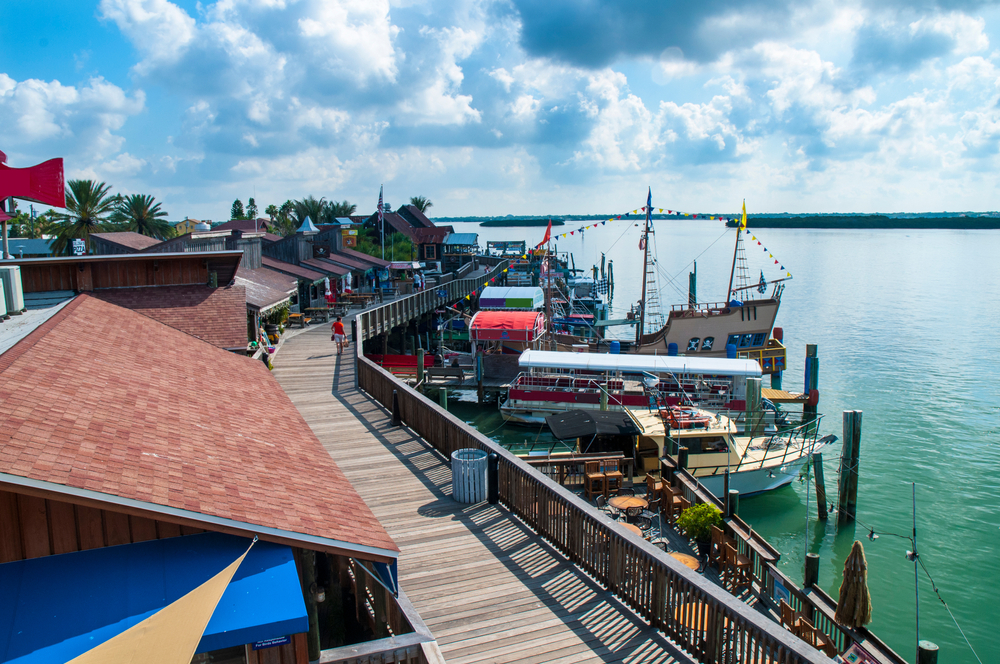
{"points": [[91, 208]]}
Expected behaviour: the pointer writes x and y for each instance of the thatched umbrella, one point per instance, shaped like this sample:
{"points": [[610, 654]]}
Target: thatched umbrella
{"points": [[854, 608]]}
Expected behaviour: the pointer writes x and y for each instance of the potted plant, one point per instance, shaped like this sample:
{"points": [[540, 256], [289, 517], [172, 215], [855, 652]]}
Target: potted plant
{"points": [[697, 521]]}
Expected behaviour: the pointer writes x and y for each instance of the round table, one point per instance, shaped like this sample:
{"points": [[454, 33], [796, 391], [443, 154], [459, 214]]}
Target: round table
{"points": [[688, 560], [622, 503], [629, 526]]}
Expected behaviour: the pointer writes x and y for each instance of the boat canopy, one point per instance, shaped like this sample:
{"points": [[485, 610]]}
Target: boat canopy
{"points": [[506, 326], [586, 423], [655, 364], [512, 297]]}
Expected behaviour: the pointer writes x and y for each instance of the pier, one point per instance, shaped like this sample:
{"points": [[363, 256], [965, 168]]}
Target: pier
{"points": [[486, 585]]}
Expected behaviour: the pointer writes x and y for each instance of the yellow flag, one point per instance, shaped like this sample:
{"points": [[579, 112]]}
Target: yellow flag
{"points": [[743, 221]]}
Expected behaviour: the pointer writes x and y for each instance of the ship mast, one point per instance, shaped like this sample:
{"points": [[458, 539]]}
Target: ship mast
{"points": [[740, 227], [640, 330]]}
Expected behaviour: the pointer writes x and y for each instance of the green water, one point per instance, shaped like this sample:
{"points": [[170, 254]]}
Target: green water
{"points": [[907, 324]]}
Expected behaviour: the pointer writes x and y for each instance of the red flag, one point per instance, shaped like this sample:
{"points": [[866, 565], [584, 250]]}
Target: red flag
{"points": [[548, 235]]}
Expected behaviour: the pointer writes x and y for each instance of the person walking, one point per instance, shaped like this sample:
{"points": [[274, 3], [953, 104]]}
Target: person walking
{"points": [[338, 335]]}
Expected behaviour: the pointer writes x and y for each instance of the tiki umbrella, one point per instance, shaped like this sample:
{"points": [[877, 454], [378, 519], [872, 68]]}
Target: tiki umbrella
{"points": [[854, 608]]}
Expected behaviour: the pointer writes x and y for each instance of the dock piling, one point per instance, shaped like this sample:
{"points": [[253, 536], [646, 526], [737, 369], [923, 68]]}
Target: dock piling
{"points": [[493, 478], [927, 653], [847, 500], [817, 462], [732, 503], [812, 570], [420, 366], [604, 396], [443, 397], [479, 376], [682, 457], [811, 386]]}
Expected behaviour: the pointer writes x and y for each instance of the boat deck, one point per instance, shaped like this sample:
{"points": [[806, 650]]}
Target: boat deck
{"points": [[487, 586]]}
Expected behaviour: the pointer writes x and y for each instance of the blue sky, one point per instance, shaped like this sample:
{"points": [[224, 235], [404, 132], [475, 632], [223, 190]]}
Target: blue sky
{"points": [[512, 106]]}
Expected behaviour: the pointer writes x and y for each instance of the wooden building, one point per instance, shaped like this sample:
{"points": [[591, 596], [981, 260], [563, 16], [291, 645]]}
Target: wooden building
{"points": [[137, 462]]}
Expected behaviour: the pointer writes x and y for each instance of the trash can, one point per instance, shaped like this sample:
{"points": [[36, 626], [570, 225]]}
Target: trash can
{"points": [[468, 476]]}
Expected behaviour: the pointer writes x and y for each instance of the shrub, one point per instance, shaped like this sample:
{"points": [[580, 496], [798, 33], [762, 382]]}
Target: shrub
{"points": [[697, 521]]}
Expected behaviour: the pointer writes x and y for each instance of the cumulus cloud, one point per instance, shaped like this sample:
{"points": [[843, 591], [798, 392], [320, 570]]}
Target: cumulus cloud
{"points": [[65, 119]]}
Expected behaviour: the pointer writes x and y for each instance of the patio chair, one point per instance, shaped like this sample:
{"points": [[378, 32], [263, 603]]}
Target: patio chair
{"points": [[716, 554], [593, 477], [737, 567], [612, 475], [653, 487], [645, 524], [602, 504]]}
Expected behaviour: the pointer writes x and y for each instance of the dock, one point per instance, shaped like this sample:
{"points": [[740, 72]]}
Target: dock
{"points": [[488, 587]]}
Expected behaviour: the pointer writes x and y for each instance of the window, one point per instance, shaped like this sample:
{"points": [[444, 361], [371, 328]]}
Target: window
{"points": [[693, 343], [734, 340], [707, 343], [745, 340], [759, 338], [313, 292], [430, 252]]}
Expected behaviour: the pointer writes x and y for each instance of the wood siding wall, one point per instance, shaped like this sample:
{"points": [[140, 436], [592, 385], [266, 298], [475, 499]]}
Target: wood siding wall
{"points": [[87, 276], [32, 527]]}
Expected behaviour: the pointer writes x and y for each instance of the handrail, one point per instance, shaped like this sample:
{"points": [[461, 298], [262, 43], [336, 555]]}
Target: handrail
{"points": [[653, 584], [811, 602]]}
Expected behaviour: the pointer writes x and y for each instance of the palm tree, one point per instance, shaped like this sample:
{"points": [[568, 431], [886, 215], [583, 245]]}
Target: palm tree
{"points": [[143, 216], [422, 203], [312, 208], [87, 209], [340, 209]]}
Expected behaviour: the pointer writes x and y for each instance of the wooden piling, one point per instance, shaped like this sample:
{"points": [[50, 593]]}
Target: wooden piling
{"points": [[817, 461], [733, 504], [397, 418], [812, 570], [420, 366], [927, 653], [604, 396], [682, 457], [443, 397], [847, 501], [811, 383]]}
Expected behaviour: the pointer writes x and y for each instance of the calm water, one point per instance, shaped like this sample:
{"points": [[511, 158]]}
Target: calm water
{"points": [[907, 324]]}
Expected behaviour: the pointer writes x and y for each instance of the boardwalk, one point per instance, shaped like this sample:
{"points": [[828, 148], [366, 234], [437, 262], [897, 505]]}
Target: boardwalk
{"points": [[487, 587]]}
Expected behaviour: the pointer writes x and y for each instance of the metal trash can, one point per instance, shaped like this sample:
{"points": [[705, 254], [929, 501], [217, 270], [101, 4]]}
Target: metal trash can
{"points": [[468, 476]]}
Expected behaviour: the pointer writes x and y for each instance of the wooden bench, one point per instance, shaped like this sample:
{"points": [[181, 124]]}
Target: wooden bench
{"points": [[403, 372], [447, 373], [298, 319]]}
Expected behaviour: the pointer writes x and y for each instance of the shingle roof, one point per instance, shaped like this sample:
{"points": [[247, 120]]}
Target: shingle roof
{"points": [[357, 255], [290, 268], [265, 288], [128, 239], [251, 225], [102, 399], [215, 315], [326, 267]]}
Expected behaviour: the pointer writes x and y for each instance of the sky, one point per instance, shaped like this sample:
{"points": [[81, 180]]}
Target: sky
{"points": [[494, 107]]}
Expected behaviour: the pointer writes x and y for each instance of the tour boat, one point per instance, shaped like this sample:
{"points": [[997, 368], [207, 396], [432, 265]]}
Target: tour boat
{"points": [[754, 463], [551, 382]]}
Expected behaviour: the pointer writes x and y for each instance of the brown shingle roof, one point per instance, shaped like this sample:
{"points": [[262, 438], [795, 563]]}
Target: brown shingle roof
{"points": [[249, 225], [215, 315], [361, 256], [102, 399], [325, 267], [265, 288], [128, 239], [290, 268]]}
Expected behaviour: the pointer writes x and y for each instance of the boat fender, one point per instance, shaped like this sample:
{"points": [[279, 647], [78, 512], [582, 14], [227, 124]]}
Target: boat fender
{"points": [[813, 398]]}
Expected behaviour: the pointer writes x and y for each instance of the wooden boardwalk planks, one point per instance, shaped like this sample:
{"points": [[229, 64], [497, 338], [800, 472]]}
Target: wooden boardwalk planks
{"points": [[489, 588]]}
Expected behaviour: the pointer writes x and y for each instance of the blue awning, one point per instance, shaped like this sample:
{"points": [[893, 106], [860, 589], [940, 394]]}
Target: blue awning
{"points": [[55, 608]]}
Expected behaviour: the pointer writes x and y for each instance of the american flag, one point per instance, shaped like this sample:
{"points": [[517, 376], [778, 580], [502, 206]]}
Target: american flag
{"points": [[381, 207]]}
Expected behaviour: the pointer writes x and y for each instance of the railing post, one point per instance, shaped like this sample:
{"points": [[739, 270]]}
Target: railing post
{"points": [[493, 478], [396, 417], [682, 458]]}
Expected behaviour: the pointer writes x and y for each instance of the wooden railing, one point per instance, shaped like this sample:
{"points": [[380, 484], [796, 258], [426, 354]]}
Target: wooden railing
{"points": [[569, 470], [374, 322], [770, 584], [694, 613]]}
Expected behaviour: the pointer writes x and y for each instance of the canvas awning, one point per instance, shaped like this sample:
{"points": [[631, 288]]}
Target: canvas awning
{"points": [[55, 608], [586, 424], [506, 326], [404, 265], [634, 364], [512, 297]]}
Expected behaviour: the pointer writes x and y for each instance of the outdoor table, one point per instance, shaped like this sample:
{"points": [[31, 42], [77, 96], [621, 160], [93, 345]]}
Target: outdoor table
{"points": [[688, 560], [297, 319], [629, 526], [631, 505], [319, 312]]}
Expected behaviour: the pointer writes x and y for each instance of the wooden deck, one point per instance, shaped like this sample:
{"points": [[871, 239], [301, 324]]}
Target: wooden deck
{"points": [[488, 588]]}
